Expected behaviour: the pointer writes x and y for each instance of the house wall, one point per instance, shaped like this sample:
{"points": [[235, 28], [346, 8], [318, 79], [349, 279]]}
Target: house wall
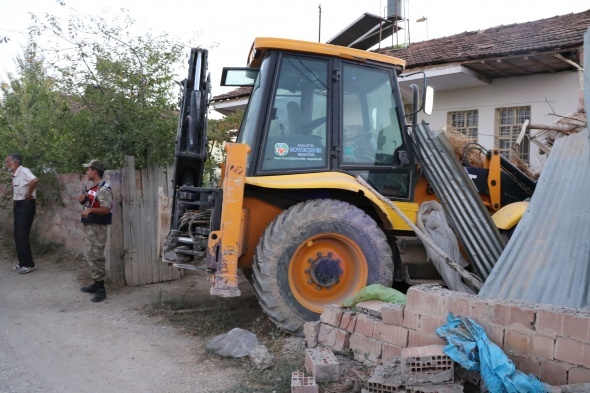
{"points": [[544, 93]]}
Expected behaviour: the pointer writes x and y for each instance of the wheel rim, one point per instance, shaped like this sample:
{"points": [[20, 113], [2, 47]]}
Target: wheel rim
{"points": [[326, 269]]}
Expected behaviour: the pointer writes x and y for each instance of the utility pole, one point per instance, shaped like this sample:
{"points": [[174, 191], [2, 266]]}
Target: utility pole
{"points": [[320, 23]]}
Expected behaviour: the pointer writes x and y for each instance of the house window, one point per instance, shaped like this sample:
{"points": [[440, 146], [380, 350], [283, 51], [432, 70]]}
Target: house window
{"points": [[464, 122], [508, 125]]}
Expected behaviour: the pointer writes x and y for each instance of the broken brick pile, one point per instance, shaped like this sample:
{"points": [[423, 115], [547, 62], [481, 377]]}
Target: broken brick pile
{"points": [[550, 342]]}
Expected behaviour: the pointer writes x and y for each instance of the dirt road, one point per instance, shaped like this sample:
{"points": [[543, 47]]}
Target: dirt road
{"points": [[54, 339]]}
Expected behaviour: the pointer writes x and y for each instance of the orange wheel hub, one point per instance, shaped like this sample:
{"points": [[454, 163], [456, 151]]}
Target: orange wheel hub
{"points": [[327, 269]]}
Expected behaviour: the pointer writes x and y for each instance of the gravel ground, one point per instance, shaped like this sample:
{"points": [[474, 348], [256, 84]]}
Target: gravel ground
{"points": [[54, 339]]}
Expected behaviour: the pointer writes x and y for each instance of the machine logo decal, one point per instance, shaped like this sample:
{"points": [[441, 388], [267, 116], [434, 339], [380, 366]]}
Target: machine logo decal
{"points": [[281, 149]]}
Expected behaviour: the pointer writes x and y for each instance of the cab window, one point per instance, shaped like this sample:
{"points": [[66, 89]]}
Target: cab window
{"points": [[296, 136]]}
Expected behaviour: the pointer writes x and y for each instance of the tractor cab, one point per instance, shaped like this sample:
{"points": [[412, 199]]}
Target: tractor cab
{"points": [[313, 110]]}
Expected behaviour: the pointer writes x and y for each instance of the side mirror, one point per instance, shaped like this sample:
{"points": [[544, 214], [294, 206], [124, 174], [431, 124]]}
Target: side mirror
{"points": [[428, 100]]}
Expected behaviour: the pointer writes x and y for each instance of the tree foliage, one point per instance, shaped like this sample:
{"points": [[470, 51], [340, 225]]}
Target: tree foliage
{"points": [[220, 131]]}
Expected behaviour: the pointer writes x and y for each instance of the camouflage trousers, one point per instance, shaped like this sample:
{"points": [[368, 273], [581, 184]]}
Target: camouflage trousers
{"points": [[95, 240]]}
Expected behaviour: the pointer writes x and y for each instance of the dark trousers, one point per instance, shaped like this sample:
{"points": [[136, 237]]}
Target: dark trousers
{"points": [[24, 214]]}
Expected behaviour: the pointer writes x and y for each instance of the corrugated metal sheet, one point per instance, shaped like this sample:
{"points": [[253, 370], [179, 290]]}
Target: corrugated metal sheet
{"points": [[548, 257], [463, 207]]}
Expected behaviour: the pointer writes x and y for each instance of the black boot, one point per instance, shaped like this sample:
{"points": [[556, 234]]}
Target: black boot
{"points": [[89, 288], [101, 293]]}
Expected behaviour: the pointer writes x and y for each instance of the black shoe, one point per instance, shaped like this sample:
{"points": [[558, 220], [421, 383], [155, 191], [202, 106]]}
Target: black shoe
{"points": [[101, 293], [89, 288]]}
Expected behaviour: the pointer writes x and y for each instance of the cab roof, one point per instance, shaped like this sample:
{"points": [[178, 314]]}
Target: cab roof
{"points": [[263, 44]]}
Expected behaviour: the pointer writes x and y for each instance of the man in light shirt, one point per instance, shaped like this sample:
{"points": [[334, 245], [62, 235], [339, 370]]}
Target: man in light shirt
{"points": [[24, 185]]}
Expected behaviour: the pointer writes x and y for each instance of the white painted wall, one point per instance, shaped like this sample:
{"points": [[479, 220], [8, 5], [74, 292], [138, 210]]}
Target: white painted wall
{"points": [[544, 93]]}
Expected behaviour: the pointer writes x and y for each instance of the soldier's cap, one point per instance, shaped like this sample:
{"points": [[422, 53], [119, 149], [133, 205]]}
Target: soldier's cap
{"points": [[96, 164]]}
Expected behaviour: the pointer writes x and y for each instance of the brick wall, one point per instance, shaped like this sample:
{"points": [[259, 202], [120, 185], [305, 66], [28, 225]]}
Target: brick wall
{"points": [[550, 342]]}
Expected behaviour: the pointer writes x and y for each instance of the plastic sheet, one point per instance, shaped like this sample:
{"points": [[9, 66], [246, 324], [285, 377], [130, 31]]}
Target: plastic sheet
{"points": [[376, 292], [469, 346], [432, 221]]}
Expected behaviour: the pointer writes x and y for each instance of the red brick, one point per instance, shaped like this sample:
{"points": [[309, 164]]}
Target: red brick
{"points": [[553, 372], [543, 346], [341, 340], [393, 314], [429, 324], [348, 321], [366, 350], [481, 309], [514, 316], [526, 365], [390, 352], [365, 324], [459, 304], [549, 322], [569, 350], [411, 320], [576, 327], [517, 343], [391, 334], [332, 337], [302, 384], [578, 375], [586, 356], [425, 300], [322, 364], [371, 307], [331, 315], [421, 339], [495, 334]]}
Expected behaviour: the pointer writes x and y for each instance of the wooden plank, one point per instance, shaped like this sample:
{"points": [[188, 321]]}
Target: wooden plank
{"points": [[115, 247], [128, 194], [138, 232]]}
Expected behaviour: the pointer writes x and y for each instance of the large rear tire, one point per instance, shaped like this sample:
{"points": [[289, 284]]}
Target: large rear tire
{"points": [[316, 253]]}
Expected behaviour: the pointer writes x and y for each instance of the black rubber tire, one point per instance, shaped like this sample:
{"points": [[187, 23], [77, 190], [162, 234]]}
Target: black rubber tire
{"points": [[291, 229]]}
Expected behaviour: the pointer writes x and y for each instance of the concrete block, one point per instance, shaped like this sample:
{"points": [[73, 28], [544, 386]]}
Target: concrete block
{"points": [[386, 378], [420, 339], [569, 350], [579, 375], [302, 384], [543, 346], [424, 365], [495, 334], [393, 314], [517, 343], [322, 364], [460, 304], [365, 324], [310, 331], [348, 321], [553, 372], [366, 350], [586, 356], [324, 334], [335, 338], [331, 315], [392, 334]]}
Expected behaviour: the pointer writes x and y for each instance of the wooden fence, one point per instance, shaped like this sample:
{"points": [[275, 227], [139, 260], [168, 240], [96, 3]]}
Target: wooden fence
{"points": [[146, 195]]}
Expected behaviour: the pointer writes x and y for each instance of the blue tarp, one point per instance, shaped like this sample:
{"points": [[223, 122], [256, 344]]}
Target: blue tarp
{"points": [[469, 346]]}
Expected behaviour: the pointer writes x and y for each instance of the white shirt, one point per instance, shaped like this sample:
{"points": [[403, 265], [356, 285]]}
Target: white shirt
{"points": [[20, 181]]}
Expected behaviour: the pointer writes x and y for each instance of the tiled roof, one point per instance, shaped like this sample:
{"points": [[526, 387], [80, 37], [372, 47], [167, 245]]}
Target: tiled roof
{"points": [[240, 92], [556, 33]]}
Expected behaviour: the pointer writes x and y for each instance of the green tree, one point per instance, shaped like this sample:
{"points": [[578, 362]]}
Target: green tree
{"points": [[121, 90], [31, 115], [219, 132]]}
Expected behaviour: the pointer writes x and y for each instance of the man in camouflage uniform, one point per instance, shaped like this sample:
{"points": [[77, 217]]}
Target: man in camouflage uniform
{"points": [[96, 216]]}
